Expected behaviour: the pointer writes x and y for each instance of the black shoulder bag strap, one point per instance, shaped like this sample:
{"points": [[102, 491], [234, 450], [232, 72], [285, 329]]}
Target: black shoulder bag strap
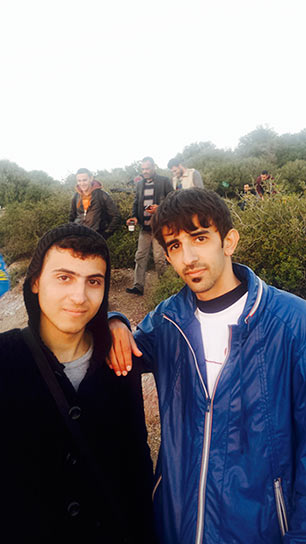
{"points": [[73, 426], [68, 413]]}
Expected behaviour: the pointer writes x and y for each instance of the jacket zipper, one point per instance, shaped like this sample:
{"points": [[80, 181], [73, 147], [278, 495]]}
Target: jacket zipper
{"points": [[205, 453], [207, 436], [280, 506]]}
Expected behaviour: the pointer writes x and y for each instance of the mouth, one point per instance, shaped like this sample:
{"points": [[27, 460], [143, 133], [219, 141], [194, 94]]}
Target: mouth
{"points": [[74, 312], [195, 273]]}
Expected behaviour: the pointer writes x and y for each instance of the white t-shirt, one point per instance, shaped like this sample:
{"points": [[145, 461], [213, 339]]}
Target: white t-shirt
{"points": [[215, 336]]}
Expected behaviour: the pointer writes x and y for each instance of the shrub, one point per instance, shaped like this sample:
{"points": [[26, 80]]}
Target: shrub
{"points": [[122, 246], [23, 224], [169, 284], [272, 240]]}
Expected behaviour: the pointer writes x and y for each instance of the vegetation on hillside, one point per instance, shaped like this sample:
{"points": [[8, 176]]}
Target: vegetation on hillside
{"points": [[272, 231]]}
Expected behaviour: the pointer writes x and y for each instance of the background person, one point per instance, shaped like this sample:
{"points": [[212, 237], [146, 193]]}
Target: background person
{"points": [[184, 178], [50, 490], [261, 183], [93, 207], [228, 354], [150, 191]]}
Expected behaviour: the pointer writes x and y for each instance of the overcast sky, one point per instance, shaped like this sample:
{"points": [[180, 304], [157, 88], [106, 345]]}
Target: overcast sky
{"points": [[99, 84]]}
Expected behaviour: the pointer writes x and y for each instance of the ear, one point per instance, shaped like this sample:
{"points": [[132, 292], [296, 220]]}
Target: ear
{"points": [[35, 286], [230, 242], [167, 257]]}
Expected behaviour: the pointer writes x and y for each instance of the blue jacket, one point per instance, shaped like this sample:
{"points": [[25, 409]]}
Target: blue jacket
{"points": [[231, 468]]}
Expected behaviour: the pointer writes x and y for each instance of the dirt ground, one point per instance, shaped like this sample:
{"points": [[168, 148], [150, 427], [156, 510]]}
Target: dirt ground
{"points": [[13, 315]]}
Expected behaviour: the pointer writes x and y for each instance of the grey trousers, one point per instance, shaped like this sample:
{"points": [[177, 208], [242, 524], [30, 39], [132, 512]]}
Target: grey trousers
{"points": [[145, 241]]}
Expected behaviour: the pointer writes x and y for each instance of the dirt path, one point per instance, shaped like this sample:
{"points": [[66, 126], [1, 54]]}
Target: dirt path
{"points": [[13, 315]]}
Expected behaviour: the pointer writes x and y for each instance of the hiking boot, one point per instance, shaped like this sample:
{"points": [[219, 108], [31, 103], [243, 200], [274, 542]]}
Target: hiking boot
{"points": [[134, 291]]}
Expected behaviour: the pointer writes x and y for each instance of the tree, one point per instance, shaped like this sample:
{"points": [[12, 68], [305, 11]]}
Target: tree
{"points": [[259, 142]]}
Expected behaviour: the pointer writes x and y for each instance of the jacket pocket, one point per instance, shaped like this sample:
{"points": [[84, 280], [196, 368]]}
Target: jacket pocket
{"points": [[280, 506]]}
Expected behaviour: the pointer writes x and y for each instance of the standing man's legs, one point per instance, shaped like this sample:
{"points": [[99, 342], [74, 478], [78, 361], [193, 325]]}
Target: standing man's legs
{"points": [[159, 258], [141, 260]]}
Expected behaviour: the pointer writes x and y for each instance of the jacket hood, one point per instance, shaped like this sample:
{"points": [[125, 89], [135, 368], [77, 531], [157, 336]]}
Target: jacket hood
{"points": [[95, 184], [99, 324]]}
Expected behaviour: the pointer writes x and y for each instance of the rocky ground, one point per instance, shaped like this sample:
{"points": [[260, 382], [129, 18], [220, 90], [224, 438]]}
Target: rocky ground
{"points": [[13, 315]]}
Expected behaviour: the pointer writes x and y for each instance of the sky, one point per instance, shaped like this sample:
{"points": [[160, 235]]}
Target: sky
{"points": [[100, 84]]}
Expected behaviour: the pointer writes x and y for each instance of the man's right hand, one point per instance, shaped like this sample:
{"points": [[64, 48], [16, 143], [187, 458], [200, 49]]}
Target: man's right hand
{"points": [[134, 219], [123, 347]]}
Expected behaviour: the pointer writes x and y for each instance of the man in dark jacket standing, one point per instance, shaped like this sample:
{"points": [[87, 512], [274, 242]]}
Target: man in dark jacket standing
{"points": [[93, 207], [228, 354], [56, 487], [150, 191]]}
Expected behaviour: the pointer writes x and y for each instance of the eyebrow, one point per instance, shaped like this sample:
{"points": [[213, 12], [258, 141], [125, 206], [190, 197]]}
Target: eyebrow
{"points": [[66, 271], [193, 234]]}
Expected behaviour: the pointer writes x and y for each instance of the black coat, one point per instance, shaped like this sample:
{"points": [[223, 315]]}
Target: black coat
{"points": [[162, 186], [102, 214], [47, 494]]}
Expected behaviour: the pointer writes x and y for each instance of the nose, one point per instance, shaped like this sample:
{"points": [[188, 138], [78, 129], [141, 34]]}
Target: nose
{"points": [[78, 292], [189, 254]]}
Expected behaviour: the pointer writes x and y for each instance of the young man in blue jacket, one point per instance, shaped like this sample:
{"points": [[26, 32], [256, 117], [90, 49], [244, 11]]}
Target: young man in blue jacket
{"points": [[228, 354]]}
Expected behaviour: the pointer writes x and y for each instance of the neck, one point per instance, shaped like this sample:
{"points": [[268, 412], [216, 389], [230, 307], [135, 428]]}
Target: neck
{"points": [[65, 346], [227, 284]]}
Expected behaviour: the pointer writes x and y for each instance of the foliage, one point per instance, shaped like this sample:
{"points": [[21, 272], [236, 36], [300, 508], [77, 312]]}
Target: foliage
{"points": [[272, 240], [18, 272], [272, 231], [17, 185], [169, 284], [122, 246], [293, 176], [260, 142], [23, 224]]}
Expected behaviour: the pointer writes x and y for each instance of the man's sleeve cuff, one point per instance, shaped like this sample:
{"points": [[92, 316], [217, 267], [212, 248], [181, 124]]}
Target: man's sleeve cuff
{"points": [[122, 317]]}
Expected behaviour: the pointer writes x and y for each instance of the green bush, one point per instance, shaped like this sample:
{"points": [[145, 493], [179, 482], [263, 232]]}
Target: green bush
{"points": [[23, 224], [272, 240], [169, 284], [122, 246]]}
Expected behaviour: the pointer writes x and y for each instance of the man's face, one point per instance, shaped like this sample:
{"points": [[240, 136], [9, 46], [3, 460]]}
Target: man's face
{"points": [[200, 260], [147, 169], [264, 177], [84, 182], [177, 171], [70, 291]]}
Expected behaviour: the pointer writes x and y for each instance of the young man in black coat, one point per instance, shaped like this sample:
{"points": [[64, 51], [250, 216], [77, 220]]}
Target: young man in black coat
{"points": [[52, 489]]}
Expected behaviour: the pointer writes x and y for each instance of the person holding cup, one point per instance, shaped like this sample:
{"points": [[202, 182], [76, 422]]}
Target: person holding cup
{"points": [[150, 191]]}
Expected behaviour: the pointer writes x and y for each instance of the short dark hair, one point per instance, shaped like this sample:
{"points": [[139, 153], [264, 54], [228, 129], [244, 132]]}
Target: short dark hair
{"points": [[173, 162], [178, 208], [264, 173], [84, 171], [84, 243], [83, 246], [148, 159]]}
